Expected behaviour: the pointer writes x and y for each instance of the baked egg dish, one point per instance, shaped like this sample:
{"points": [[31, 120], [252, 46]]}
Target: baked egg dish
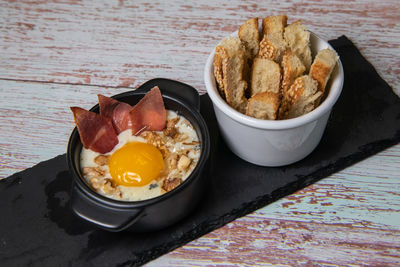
{"points": [[133, 153], [144, 166]]}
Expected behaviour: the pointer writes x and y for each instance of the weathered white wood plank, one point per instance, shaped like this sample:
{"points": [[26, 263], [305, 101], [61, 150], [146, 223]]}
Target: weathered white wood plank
{"points": [[258, 241], [35, 120], [121, 43], [354, 196]]}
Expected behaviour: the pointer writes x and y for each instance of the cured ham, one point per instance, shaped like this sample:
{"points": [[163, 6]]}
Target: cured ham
{"points": [[117, 111], [96, 131], [149, 114], [107, 105], [99, 132]]}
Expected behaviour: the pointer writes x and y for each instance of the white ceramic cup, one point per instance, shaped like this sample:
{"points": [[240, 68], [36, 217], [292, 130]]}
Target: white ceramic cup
{"points": [[274, 142]]}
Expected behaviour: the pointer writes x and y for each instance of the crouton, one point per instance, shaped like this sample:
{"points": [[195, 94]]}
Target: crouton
{"points": [[265, 76], [298, 40], [250, 37], [229, 70], [322, 67], [300, 98], [292, 68], [263, 106]]}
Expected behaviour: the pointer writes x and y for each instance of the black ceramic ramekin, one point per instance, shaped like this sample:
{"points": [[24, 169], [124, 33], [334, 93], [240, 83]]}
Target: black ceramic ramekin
{"points": [[155, 213]]}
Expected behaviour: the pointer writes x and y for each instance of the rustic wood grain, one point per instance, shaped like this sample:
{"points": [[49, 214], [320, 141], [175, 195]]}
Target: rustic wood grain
{"points": [[123, 43], [36, 121], [55, 54], [349, 218], [277, 241]]}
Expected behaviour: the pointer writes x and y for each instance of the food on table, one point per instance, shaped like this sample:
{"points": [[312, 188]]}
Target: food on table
{"points": [[265, 76], [274, 24], [154, 152], [263, 106], [300, 98], [298, 40], [273, 45], [248, 34], [278, 82], [96, 132], [322, 68], [148, 114], [117, 111], [292, 68], [230, 63]]}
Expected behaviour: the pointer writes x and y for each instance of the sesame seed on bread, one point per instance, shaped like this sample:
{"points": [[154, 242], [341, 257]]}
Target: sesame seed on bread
{"points": [[229, 68], [272, 46], [300, 98], [272, 78], [221, 55], [292, 68]]}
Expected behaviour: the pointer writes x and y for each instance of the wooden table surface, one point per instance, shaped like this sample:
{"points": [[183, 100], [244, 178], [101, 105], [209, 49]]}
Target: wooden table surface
{"points": [[55, 54]]}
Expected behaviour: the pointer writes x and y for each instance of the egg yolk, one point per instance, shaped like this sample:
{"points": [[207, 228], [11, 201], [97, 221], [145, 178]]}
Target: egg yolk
{"points": [[136, 164]]}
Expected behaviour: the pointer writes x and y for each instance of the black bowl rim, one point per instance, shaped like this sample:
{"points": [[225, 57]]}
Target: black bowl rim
{"points": [[197, 171]]}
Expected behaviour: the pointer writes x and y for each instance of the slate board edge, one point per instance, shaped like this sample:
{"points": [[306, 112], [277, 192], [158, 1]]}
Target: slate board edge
{"points": [[205, 228]]}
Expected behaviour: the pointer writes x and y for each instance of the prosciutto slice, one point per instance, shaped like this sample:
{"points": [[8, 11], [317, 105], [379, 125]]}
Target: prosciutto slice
{"points": [[99, 132], [117, 111], [107, 105], [96, 131], [149, 114]]}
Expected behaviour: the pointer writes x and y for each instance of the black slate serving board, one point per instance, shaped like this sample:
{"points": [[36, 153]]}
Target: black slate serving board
{"points": [[37, 227]]}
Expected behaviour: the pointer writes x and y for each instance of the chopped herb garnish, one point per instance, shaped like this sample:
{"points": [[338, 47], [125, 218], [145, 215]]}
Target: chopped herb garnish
{"points": [[153, 186]]}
